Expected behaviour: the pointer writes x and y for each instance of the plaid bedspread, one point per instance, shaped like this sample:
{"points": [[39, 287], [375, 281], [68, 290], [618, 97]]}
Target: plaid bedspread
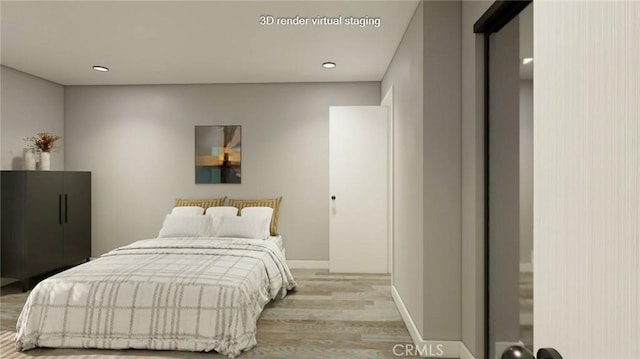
{"points": [[163, 294]]}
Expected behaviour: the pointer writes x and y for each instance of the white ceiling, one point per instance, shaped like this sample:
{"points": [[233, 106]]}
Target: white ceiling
{"points": [[169, 42]]}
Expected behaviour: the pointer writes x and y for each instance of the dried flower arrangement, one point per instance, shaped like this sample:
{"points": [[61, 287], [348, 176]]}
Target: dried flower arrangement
{"points": [[43, 141]]}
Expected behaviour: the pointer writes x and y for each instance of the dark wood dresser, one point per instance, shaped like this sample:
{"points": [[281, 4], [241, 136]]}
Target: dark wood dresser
{"points": [[45, 222]]}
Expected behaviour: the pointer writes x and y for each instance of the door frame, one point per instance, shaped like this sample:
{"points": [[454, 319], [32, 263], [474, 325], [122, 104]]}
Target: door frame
{"points": [[387, 101], [500, 13]]}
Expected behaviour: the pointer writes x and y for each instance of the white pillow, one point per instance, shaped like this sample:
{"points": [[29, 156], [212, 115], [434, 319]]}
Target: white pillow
{"points": [[259, 213], [242, 227], [187, 211], [222, 211], [216, 213], [185, 226]]}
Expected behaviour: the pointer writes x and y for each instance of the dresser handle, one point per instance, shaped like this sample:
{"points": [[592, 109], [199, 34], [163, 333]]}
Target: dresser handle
{"points": [[66, 208], [59, 209]]}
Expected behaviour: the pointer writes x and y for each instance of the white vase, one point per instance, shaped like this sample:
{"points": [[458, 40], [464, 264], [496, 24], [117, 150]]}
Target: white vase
{"points": [[29, 159], [45, 161]]}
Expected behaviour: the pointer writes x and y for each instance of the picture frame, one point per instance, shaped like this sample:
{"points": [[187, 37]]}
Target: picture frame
{"points": [[218, 154]]}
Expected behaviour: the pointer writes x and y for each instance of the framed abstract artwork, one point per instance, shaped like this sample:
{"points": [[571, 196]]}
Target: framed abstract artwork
{"points": [[218, 154]]}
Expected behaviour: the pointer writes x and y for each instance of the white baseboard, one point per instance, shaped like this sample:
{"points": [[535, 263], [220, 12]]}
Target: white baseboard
{"points": [[302, 264], [408, 321], [465, 353], [434, 348], [526, 267]]}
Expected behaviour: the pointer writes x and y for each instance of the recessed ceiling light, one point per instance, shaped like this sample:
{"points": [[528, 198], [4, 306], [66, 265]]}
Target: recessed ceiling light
{"points": [[101, 68], [527, 60], [329, 65]]}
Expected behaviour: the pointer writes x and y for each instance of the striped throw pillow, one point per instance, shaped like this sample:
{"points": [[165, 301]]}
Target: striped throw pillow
{"points": [[273, 203], [204, 203]]}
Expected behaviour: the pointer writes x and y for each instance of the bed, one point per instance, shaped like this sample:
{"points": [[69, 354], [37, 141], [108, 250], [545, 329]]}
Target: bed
{"points": [[191, 294], [277, 240]]}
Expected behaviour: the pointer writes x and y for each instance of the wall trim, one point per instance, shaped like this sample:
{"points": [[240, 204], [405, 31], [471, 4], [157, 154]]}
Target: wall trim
{"points": [[498, 15], [304, 264], [408, 321], [387, 101], [449, 348], [465, 353]]}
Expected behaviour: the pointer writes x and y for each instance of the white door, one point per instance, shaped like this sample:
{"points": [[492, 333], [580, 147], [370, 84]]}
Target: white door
{"points": [[358, 189]]}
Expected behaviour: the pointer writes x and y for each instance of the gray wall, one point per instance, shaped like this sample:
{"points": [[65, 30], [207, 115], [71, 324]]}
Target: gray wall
{"points": [[139, 143], [442, 170], [472, 179], [526, 171], [405, 74], [29, 105], [426, 77]]}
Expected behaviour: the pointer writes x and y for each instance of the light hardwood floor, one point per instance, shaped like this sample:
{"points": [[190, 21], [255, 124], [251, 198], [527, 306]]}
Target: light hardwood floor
{"points": [[327, 316]]}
